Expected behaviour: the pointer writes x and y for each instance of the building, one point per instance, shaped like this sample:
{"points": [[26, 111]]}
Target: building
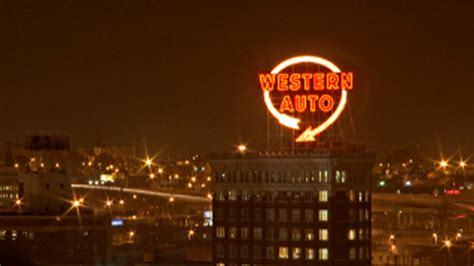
{"points": [[10, 189], [308, 208]]}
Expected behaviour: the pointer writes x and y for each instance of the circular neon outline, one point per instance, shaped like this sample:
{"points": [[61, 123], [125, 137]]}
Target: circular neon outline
{"points": [[292, 122]]}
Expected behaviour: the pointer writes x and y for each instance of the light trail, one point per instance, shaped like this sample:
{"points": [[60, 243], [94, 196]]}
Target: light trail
{"points": [[183, 197]]}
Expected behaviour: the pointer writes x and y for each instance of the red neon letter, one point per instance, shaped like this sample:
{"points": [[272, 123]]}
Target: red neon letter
{"points": [[306, 77], [312, 98], [326, 103], [286, 105], [300, 103], [267, 81], [332, 81], [346, 80], [282, 81], [318, 81], [295, 83]]}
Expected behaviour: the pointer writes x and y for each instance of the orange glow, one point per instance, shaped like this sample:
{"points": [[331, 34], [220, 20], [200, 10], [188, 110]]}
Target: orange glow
{"points": [[334, 80], [286, 105]]}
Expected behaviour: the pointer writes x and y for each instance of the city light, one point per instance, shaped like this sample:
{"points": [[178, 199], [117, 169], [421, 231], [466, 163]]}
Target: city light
{"points": [[76, 203], [382, 183], [242, 148], [443, 163], [190, 234], [18, 202], [148, 162], [448, 243], [108, 203], [462, 164], [151, 175], [121, 202], [171, 199]]}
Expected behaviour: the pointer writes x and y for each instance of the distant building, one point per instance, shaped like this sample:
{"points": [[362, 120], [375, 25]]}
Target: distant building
{"points": [[10, 188], [292, 209]]}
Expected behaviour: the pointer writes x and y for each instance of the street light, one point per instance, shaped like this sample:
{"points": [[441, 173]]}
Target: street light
{"points": [[242, 148]]}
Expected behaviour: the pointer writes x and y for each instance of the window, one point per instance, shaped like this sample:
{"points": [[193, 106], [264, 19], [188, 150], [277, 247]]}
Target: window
{"points": [[295, 234], [308, 215], [232, 251], [283, 253], [351, 235], [232, 214], [352, 253], [244, 214], [283, 234], [282, 215], [244, 233], [257, 214], [323, 196], [220, 232], [323, 215], [244, 251], [257, 252], [220, 264], [323, 254], [309, 234], [233, 195], [269, 233], [361, 233], [295, 215], [323, 234], [232, 232], [338, 176], [220, 195], [361, 196], [270, 253], [220, 251], [257, 233], [310, 254], [245, 195], [219, 214], [351, 196], [270, 215], [296, 253], [343, 177]]}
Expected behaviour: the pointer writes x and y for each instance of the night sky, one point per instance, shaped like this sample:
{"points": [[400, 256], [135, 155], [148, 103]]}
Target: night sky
{"points": [[182, 75]]}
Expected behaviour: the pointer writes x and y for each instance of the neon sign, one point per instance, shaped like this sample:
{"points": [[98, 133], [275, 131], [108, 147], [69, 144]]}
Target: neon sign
{"points": [[295, 97]]}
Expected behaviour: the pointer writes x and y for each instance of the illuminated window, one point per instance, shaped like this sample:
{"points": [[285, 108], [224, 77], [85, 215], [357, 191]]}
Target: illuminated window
{"points": [[283, 253], [244, 233], [232, 232], [367, 196], [361, 253], [245, 195], [326, 176], [257, 233], [295, 234], [310, 254], [343, 177], [337, 178], [361, 196], [295, 215], [361, 233], [323, 254], [220, 232], [233, 195], [220, 264], [308, 215], [323, 234], [296, 253], [309, 234], [323, 215], [351, 234], [270, 253], [351, 196], [323, 196], [220, 195]]}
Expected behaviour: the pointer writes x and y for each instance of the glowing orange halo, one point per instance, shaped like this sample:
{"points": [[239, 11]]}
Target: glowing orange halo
{"points": [[292, 122]]}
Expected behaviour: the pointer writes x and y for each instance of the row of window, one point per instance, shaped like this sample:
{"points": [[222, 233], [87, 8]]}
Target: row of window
{"points": [[270, 215], [8, 196], [284, 253], [8, 188], [272, 196], [270, 233], [285, 234], [292, 176]]}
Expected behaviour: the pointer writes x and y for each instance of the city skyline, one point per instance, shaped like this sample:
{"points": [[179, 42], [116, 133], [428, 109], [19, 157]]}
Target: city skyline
{"points": [[157, 72]]}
